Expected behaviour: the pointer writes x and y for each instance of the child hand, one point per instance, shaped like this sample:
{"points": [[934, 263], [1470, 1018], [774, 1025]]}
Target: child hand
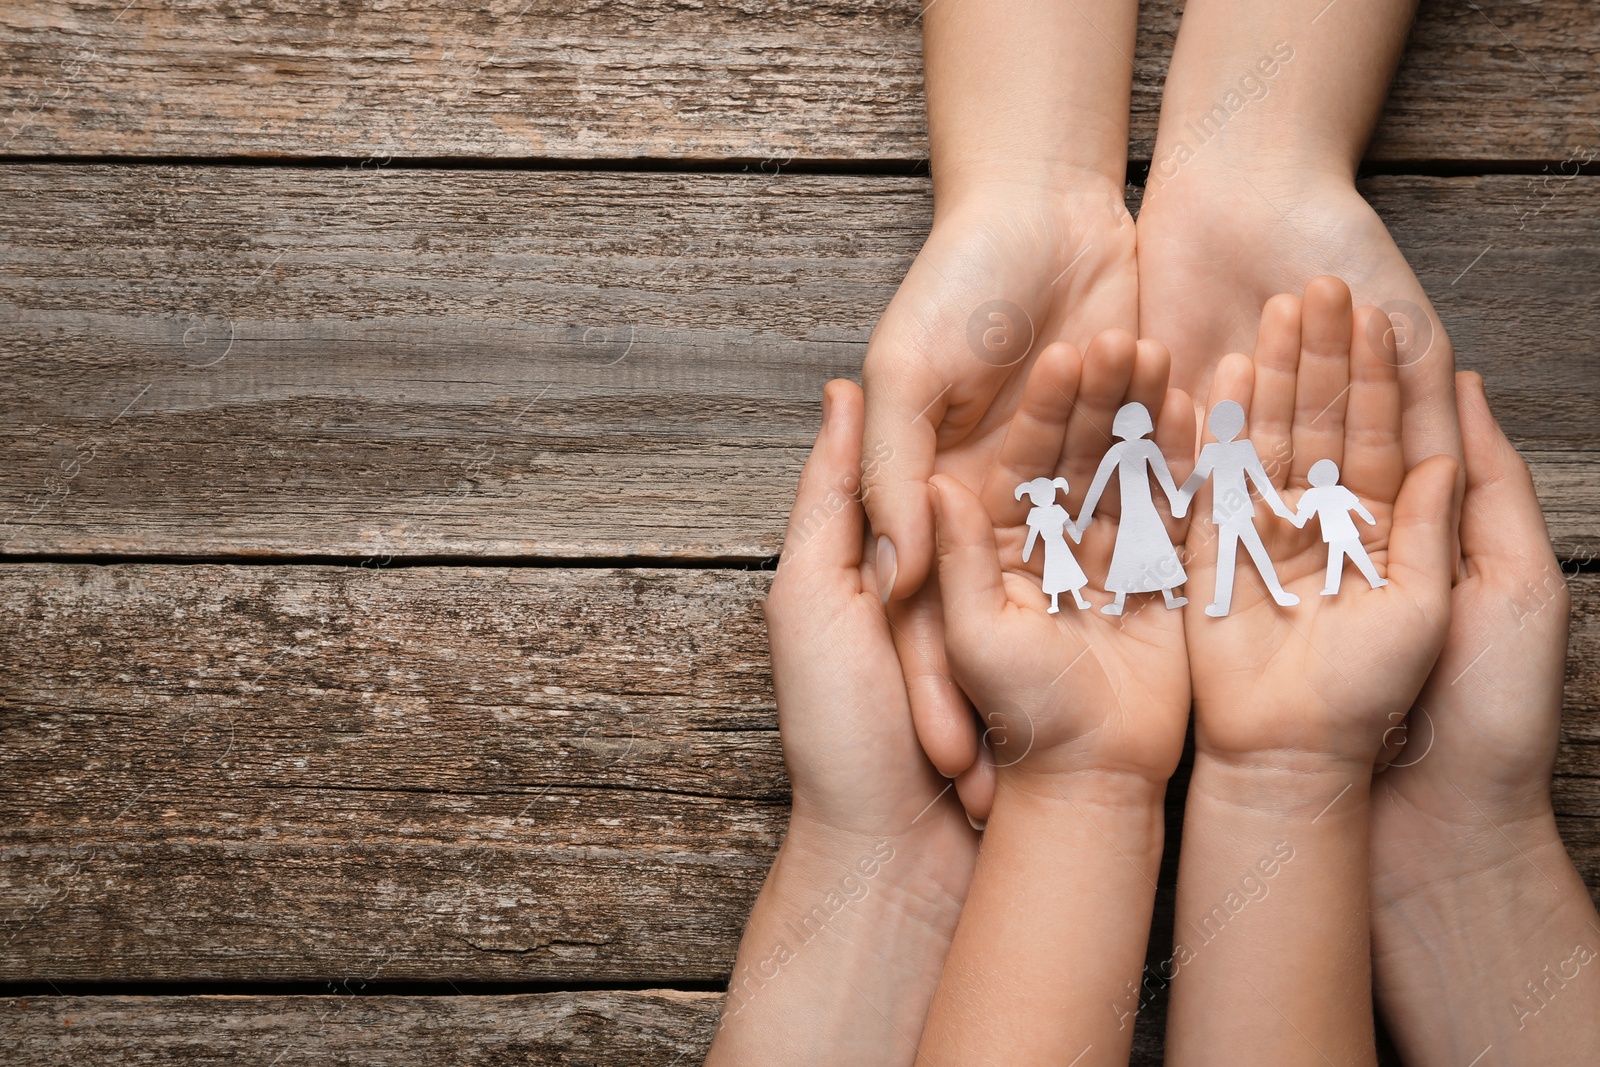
{"points": [[1074, 689], [1469, 876], [1293, 692], [843, 948], [1088, 709], [1321, 679]]}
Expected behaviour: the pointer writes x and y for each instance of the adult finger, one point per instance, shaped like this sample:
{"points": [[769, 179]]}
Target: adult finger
{"points": [[824, 532]]}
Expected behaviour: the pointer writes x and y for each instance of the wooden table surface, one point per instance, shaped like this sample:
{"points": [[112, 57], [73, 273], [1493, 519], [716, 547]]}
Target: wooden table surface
{"points": [[401, 408]]}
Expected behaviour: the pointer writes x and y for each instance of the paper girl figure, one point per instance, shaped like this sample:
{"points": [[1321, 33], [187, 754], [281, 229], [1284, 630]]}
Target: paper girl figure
{"points": [[1236, 467], [1047, 520], [1332, 504], [1143, 559]]}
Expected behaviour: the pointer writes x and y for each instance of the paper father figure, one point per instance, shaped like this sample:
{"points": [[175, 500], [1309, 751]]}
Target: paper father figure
{"points": [[1235, 467]]}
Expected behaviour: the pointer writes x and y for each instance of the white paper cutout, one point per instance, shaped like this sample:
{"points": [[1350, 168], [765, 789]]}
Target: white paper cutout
{"points": [[1332, 504], [1047, 521], [1234, 465], [1143, 559]]}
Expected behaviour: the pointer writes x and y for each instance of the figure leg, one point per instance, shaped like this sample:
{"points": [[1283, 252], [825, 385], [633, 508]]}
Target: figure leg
{"points": [[1077, 595], [1336, 555], [1227, 549], [1363, 562], [1054, 607], [1174, 601], [1263, 562], [1115, 607]]}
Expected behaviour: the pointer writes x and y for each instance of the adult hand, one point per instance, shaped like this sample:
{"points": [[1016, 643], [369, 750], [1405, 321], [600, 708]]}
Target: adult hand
{"points": [[997, 281], [1473, 894], [1267, 109], [1031, 243]]}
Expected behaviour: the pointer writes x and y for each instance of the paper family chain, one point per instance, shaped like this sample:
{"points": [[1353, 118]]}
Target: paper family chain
{"points": [[1144, 559]]}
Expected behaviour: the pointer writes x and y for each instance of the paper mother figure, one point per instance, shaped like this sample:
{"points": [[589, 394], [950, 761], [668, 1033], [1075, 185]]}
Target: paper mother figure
{"points": [[1048, 520], [1143, 559], [1332, 504], [1236, 467]]}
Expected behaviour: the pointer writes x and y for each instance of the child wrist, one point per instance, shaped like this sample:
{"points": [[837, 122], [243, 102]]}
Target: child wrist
{"points": [[1285, 782], [1115, 790]]}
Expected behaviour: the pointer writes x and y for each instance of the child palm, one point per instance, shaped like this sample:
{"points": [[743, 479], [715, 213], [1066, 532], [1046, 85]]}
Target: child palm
{"points": [[1321, 675], [1073, 689]]}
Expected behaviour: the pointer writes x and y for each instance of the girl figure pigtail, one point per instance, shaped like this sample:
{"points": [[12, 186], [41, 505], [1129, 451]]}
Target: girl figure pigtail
{"points": [[1050, 522]]}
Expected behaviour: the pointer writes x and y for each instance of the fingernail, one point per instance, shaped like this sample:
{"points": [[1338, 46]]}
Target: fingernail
{"points": [[977, 824], [887, 567]]}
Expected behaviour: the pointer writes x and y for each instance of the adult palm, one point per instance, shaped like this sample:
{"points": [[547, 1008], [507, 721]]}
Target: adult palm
{"points": [[1002, 274]]}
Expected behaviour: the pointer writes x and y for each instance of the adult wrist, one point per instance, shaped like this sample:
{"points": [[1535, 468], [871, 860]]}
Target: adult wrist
{"points": [[978, 186], [1258, 173], [921, 872], [1463, 870]]}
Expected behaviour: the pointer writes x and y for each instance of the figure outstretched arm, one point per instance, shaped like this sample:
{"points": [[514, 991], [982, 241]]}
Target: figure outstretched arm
{"points": [[1027, 546], [1197, 478], [1361, 509], [1307, 508], [1097, 487], [1264, 486], [1158, 464]]}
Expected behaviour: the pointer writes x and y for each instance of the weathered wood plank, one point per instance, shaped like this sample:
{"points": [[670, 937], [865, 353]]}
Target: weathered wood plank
{"points": [[654, 1028], [321, 772], [821, 80], [356, 363], [317, 773]]}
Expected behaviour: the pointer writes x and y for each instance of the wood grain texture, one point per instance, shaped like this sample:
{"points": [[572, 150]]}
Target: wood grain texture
{"points": [[322, 773], [740, 79], [380, 362], [655, 1028]]}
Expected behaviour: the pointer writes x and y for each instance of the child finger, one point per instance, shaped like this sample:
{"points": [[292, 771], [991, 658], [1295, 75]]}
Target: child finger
{"points": [[940, 711], [1107, 372], [1234, 380], [1374, 461], [976, 785], [1152, 369], [1273, 401], [825, 526], [1422, 543], [1032, 445], [972, 587], [1322, 386], [1174, 436]]}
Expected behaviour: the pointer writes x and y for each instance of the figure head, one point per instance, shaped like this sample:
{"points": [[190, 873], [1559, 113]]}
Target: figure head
{"points": [[1227, 419], [1323, 472], [1042, 491], [1132, 422]]}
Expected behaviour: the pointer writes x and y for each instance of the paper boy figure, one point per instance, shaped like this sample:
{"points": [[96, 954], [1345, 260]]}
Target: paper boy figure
{"points": [[1047, 520], [1236, 467], [1332, 504]]}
